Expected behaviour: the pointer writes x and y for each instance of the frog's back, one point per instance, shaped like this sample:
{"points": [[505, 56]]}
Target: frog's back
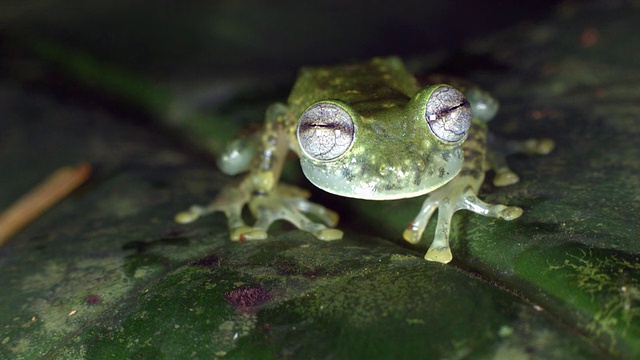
{"points": [[380, 78]]}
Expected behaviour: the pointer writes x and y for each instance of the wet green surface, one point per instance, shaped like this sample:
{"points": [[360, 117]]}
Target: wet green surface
{"points": [[108, 274]]}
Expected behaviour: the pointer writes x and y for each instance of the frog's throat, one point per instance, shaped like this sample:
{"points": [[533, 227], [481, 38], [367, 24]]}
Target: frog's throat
{"points": [[352, 180]]}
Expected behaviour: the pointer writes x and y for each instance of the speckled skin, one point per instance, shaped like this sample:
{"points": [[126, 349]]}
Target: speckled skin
{"points": [[381, 98], [393, 154]]}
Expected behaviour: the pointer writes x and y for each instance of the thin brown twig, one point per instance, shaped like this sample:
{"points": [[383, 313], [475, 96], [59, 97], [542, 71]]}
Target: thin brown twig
{"points": [[42, 197]]}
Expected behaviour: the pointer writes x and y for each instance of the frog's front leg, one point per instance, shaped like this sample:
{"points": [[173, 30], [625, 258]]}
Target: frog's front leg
{"points": [[461, 192], [267, 200], [458, 194]]}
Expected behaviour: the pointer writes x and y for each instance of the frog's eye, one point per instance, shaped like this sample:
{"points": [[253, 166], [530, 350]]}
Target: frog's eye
{"points": [[448, 113], [325, 131]]}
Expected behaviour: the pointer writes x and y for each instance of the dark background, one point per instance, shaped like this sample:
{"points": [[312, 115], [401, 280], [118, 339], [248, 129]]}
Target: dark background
{"points": [[171, 39]]}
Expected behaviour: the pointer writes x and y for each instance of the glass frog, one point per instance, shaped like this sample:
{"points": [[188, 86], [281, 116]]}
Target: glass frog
{"points": [[368, 131]]}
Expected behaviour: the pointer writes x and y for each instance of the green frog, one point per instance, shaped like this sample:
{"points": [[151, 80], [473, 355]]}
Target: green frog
{"points": [[368, 131]]}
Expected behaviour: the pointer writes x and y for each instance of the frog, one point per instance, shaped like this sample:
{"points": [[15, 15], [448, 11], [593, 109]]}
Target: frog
{"points": [[368, 130]]}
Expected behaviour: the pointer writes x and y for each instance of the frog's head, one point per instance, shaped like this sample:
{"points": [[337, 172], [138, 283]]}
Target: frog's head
{"points": [[385, 148]]}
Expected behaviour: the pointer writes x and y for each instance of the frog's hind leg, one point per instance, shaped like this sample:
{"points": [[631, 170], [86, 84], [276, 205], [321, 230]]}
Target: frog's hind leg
{"points": [[290, 203], [499, 149], [328, 217], [298, 199], [230, 201]]}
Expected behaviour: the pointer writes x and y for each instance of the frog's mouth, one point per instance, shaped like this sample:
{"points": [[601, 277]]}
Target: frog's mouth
{"points": [[360, 180]]}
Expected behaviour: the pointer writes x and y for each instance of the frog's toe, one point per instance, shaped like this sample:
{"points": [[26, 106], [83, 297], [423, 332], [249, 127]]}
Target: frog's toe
{"points": [[328, 217], [538, 146], [318, 230], [415, 229], [409, 235], [439, 254], [546, 146], [413, 232], [472, 203], [505, 177], [243, 233], [509, 212], [193, 214], [328, 234], [186, 217]]}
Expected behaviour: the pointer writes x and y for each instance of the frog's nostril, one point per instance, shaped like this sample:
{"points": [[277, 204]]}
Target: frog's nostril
{"points": [[449, 114]]}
